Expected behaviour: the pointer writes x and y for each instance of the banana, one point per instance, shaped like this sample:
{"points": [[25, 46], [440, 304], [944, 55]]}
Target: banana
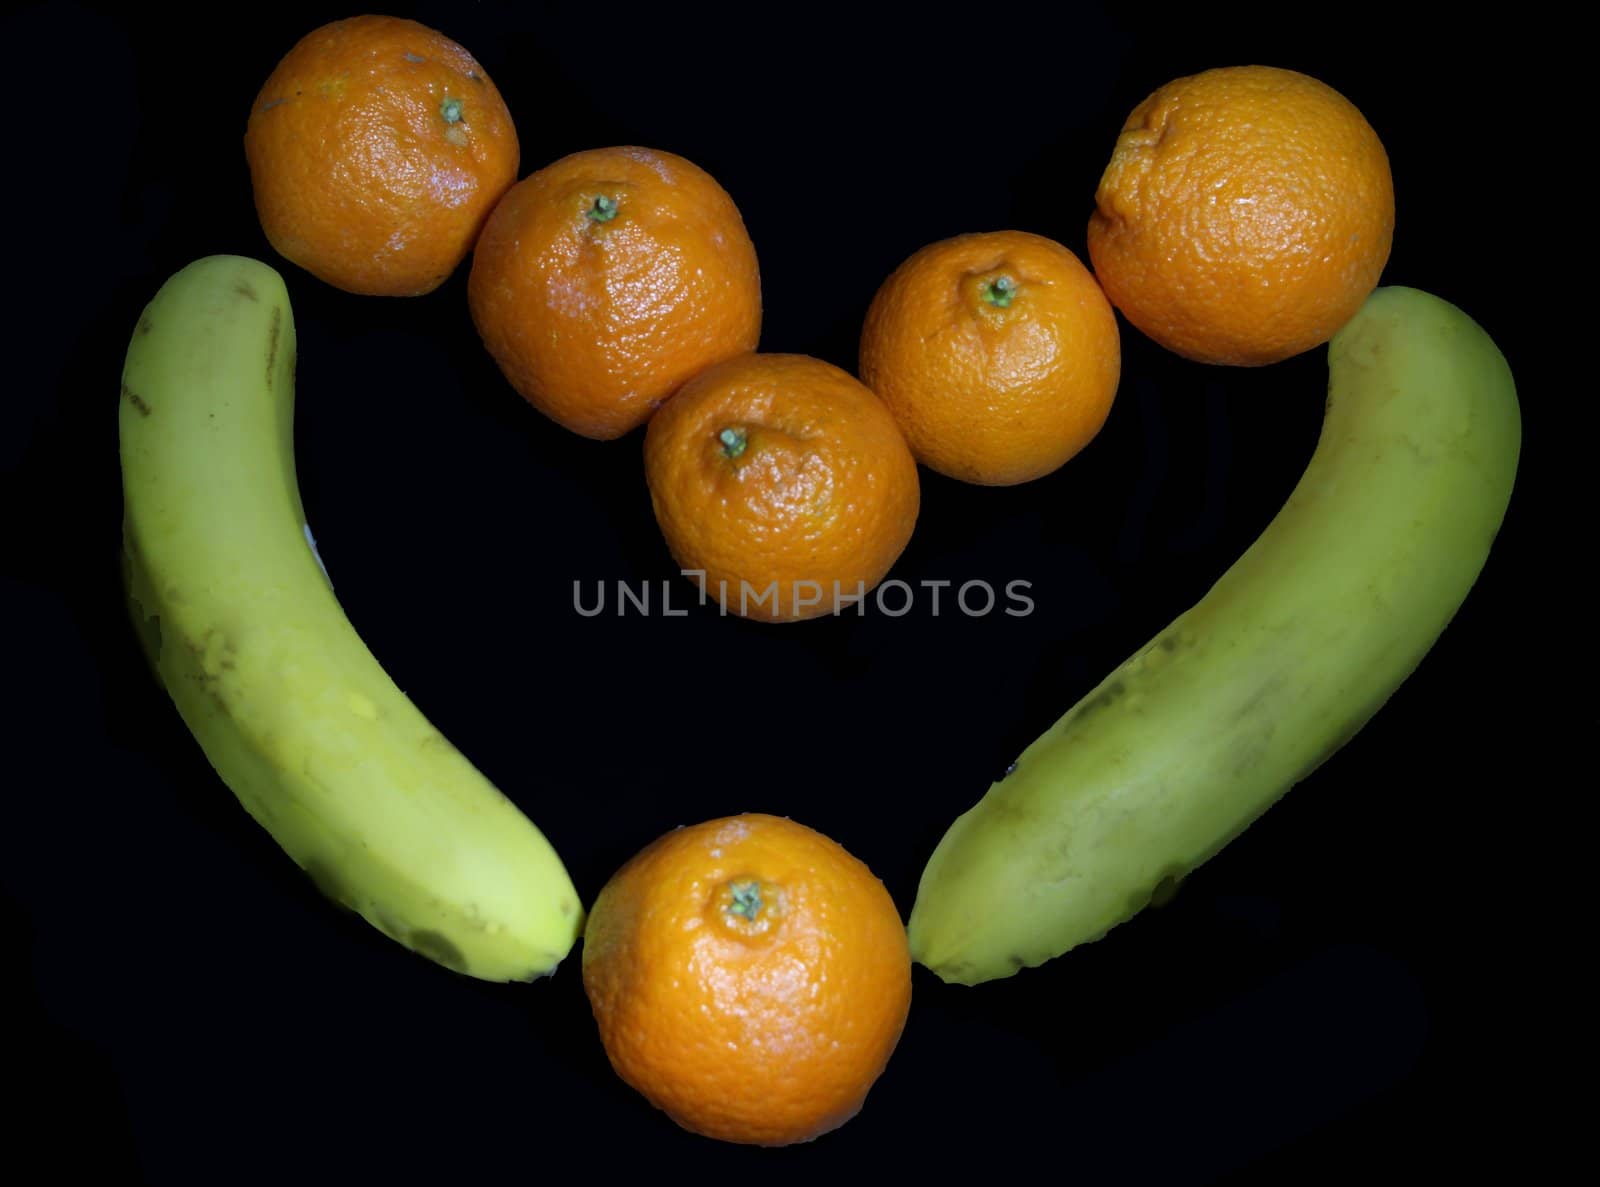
{"points": [[242, 627], [1289, 654]]}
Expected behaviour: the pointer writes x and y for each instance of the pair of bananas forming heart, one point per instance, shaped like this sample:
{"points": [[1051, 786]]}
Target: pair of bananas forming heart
{"points": [[1176, 752]]}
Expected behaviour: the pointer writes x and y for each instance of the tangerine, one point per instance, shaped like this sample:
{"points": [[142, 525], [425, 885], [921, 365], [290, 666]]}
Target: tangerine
{"points": [[606, 279], [783, 482], [377, 148], [748, 976], [996, 352], [1246, 214]]}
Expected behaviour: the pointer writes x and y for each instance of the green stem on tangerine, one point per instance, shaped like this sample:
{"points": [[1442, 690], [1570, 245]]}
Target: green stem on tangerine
{"points": [[604, 209], [733, 441], [746, 899], [451, 110], [1000, 291]]}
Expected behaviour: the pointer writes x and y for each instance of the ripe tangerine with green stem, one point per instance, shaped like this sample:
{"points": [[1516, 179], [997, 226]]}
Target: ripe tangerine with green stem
{"points": [[783, 482], [605, 280], [749, 976], [377, 148], [997, 353]]}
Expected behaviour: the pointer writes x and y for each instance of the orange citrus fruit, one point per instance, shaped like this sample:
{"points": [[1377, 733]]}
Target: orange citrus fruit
{"points": [[783, 483], [606, 279], [749, 977], [377, 148], [996, 352], [1246, 214]]}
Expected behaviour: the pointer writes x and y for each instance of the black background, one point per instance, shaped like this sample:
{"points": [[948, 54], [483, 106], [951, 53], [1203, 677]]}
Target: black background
{"points": [[1324, 998]]}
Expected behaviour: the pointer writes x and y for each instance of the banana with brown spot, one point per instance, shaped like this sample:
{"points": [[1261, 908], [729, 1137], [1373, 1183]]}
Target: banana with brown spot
{"points": [[1278, 666], [242, 627]]}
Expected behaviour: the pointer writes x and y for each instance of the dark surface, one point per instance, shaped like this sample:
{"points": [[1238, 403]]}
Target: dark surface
{"points": [[1317, 1000]]}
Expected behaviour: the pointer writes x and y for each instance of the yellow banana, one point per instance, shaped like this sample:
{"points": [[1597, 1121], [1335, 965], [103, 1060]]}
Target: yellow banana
{"points": [[1284, 659], [291, 708]]}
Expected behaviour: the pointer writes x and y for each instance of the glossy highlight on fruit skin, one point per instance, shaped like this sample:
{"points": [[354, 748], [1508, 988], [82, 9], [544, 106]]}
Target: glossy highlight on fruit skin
{"points": [[750, 977], [606, 279], [997, 353], [781, 472], [243, 630], [1287, 656], [1245, 215], [377, 148]]}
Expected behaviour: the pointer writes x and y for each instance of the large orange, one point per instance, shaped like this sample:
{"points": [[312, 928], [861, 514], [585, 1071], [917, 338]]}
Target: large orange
{"points": [[750, 977], [377, 148], [997, 353], [606, 279], [784, 483], [1245, 216]]}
